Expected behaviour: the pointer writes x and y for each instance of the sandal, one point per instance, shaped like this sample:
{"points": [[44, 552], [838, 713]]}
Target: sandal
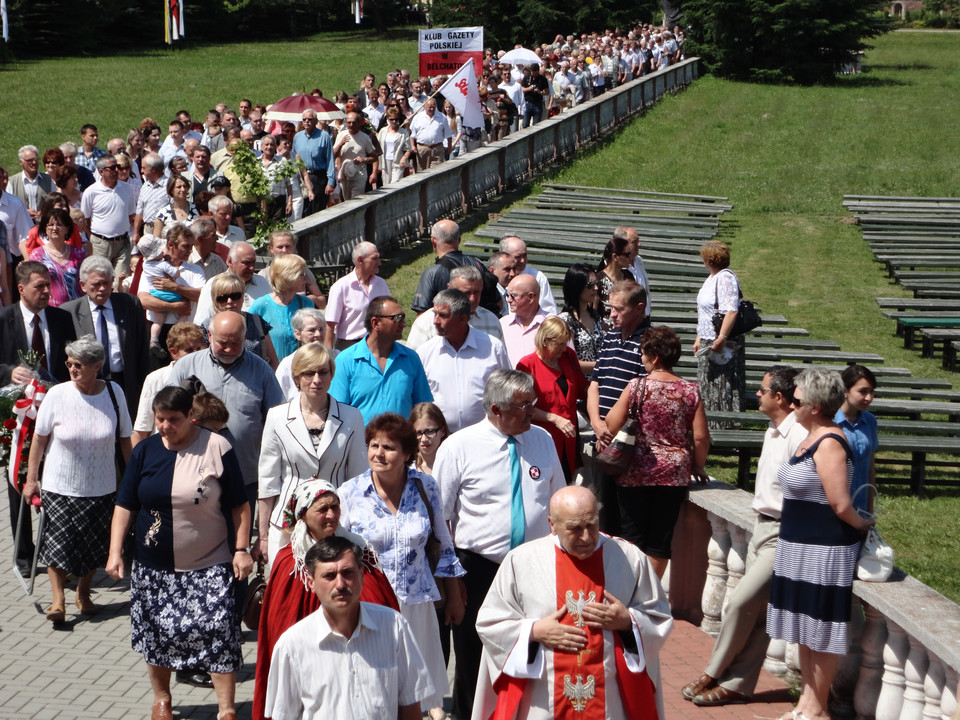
{"points": [[791, 715], [56, 614], [86, 606], [719, 696], [691, 690]]}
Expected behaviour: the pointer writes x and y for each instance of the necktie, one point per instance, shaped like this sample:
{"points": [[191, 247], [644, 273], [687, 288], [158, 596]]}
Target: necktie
{"points": [[518, 521], [36, 342], [104, 340]]}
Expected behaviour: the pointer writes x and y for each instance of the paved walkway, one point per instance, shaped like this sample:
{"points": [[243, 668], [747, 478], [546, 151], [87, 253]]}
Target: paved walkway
{"points": [[85, 669]]}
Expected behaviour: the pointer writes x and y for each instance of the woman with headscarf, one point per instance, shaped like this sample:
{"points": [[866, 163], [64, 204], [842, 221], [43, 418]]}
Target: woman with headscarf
{"points": [[312, 514]]}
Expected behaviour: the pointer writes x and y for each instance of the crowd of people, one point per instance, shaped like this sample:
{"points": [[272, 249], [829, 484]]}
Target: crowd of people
{"points": [[202, 417], [389, 130]]}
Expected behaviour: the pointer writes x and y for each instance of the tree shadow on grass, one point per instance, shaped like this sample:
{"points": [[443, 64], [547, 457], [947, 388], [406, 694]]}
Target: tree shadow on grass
{"points": [[901, 66], [868, 81]]}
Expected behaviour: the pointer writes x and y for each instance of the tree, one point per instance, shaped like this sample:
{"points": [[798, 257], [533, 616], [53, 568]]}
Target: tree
{"points": [[803, 41]]}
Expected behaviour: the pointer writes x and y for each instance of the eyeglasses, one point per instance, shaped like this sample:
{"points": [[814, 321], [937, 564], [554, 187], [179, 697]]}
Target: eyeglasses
{"points": [[398, 318], [514, 296], [593, 284], [428, 433], [526, 407], [763, 390], [111, 168], [322, 372], [229, 296], [797, 402]]}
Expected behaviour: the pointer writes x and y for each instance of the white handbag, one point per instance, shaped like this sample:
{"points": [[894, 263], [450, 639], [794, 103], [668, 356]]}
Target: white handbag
{"points": [[876, 556]]}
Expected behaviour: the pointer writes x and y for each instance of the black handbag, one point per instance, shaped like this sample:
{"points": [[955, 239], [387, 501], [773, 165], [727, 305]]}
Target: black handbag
{"points": [[748, 317]]}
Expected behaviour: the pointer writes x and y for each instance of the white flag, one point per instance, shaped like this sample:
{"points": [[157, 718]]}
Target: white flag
{"points": [[461, 91], [3, 20]]}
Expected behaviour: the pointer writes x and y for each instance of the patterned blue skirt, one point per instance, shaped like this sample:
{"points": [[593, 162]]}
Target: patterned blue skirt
{"points": [[185, 620]]}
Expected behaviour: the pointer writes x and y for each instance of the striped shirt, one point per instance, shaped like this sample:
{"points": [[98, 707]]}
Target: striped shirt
{"points": [[618, 363]]}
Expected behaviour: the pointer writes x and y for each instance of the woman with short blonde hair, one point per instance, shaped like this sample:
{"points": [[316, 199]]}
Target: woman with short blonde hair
{"points": [[278, 308], [227, 292]]}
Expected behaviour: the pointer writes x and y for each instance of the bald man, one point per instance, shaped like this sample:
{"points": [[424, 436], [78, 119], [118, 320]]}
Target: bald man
{"points": [[604, 640], [245, 383], [520, 324]]}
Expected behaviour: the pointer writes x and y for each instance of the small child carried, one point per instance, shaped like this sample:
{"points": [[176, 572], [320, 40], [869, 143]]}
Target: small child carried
{"points": [[156, 265]]}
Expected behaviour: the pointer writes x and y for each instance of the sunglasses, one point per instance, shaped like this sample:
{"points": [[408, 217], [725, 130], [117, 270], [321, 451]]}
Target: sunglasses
{"points": [[229, 296], [398, 318]]}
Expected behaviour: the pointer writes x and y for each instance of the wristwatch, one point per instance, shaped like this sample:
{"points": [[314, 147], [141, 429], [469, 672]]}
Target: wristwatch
{"points": [[243, 550]]}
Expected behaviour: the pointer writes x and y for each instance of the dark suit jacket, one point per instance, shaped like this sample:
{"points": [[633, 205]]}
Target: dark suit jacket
{"points": [[44, 187], [134, 340], [13, 337]]}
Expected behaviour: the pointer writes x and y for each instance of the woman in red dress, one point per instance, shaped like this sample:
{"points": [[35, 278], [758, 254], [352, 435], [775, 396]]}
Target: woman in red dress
{"points": [[313, 513], [559, 384]]}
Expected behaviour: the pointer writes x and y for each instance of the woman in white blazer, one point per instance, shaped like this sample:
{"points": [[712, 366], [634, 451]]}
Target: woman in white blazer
{"points": [[395, 141], [311, 437]]}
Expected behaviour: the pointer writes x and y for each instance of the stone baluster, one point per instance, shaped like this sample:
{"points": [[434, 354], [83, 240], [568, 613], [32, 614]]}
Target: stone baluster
{"points": [[890, 700], [736, 562], [914, 674], [715, 587], [776, 662], [791, 657], [871, 664], [933, 689], [948, 700]]}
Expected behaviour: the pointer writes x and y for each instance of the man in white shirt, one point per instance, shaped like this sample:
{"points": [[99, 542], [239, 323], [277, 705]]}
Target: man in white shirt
{"points": [[517, 249], [734, 666], [205, 253], [459, 360], [174, 144], [349, 659], [511, 86], [489, 516], [417, 96], [242, 261], [374, 109], [153, 195], [109, 207], [430, 135], [466, 279], [221, 208], [625, 232]]}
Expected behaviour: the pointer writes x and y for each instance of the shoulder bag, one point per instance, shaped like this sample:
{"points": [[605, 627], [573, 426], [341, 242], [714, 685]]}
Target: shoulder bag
{"points": [[748, 317], [615, 459], [433, 542]]}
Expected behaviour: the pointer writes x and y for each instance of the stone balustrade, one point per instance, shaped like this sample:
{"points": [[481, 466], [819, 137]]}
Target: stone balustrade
{"points": [[904, 658], [403, 211]]}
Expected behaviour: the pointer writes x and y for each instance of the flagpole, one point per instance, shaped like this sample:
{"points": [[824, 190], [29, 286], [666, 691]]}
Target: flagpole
{"points": [[431, 97]]}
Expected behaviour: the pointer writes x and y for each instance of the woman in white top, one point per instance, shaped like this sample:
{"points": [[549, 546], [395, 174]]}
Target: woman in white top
{"points": [[395, 141], [721, 372], [313, 436], [77, 429]]}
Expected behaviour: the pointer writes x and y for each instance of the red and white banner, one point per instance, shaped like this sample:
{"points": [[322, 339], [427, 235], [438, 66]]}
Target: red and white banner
{"points": [[444, 50], [462, 92], [173, 28]]}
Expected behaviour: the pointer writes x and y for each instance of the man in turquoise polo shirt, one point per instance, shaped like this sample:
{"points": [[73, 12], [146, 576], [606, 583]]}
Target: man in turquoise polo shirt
{"points": [[378, 374]]}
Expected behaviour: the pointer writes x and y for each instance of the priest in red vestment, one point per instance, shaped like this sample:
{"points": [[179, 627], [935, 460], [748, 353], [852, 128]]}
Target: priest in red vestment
{"points": [[573, 625]]}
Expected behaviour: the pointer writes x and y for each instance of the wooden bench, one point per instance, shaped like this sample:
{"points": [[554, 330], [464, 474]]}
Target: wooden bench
{"points": [[931, 337]]}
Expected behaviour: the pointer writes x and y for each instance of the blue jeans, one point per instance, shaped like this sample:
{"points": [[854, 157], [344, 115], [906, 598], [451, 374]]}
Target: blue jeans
{"points": [[532, 115]]}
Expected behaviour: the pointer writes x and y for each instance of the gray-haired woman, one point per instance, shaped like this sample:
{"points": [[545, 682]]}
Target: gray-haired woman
{"points": [[308, 326], [77, 429]]}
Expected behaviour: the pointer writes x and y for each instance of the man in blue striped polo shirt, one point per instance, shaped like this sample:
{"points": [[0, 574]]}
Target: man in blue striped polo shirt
{"points": [[618, 363]]}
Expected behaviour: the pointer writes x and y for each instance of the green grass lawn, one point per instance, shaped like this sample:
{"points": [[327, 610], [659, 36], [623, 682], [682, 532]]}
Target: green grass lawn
{"points": [[45, 103]]}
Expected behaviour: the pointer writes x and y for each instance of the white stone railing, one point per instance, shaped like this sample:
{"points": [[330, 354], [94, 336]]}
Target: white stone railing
{"points": [[405, 210], [904, 657]]}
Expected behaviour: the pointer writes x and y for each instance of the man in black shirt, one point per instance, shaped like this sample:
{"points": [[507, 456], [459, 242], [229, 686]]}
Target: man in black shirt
{"points": [[535, 88]]}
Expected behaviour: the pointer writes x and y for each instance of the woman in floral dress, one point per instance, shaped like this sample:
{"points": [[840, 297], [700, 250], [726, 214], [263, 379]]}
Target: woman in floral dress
{"points": [[183, 494], [672, 445]]}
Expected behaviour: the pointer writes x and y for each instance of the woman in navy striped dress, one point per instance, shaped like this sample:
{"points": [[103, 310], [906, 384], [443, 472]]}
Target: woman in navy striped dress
{"points": [[820, 533]]}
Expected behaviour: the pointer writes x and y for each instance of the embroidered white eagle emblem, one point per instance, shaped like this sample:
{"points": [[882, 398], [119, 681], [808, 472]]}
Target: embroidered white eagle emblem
{"points": [[575, 607], [580, 692]]}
